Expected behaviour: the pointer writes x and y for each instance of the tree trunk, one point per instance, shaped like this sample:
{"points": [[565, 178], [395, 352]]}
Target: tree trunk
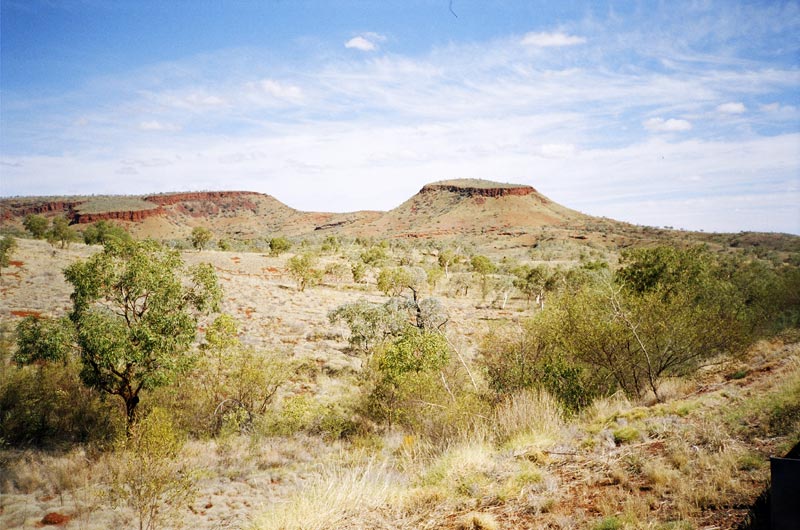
{"points": [[130, 410]]}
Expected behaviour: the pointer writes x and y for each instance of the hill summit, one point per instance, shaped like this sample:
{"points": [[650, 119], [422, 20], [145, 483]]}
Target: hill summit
{"points": [[472, 207]]}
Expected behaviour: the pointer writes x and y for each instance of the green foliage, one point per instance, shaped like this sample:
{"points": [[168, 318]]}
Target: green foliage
{"points": [[134, 316], [359, 271], [36, 225], [7, 246], [44, 339], [625, 435], [47, 406], [230, 381], [200, 237], [102, 232], [279, 245], [303, 269], [374, 255], [224, 245], [434, 275], [415, 351], [535, 281], [482, 265], [392, 281], [608, 523], [404, 377], [526, 357], [446, 258], [369, 324], [60, 232], [331, 244], [147, 474], [666, 313]]}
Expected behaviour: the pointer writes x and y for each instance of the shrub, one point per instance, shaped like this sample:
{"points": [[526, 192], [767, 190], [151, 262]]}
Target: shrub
{"points": [[147, 474], [303, 269], [279, 245], [36, 225]]}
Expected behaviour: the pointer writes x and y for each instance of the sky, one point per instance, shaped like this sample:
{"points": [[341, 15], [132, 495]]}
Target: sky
{"points": [[682, 114]]}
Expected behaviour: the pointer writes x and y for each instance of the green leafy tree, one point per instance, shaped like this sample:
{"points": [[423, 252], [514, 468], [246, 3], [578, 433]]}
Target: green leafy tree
{"points": [[666, 312], [392, 281], [279, 245], [446, 258], [135, 315], [303, 269], [36, 225], [102, 232], [201, 236], [369, 324], [404, 373], [61, 232], [483, 267], [374, 255], [7, 246], [535, 281]]}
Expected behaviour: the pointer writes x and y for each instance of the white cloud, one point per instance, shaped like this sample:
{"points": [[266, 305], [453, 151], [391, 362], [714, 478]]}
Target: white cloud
{"points": [[545, 40], [365, 42], [280, 90], [670, 125], [155, 125], [557, 150], [731, 108]]}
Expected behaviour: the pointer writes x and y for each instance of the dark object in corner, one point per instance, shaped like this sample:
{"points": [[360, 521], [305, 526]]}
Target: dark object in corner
{"points": [[785, 489], [778, 507]]}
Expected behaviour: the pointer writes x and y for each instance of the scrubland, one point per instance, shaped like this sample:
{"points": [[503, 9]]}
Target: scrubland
{"points": [[543, 390]]}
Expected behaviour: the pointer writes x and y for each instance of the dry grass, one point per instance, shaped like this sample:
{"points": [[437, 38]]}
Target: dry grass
{"points": [[336, 497]]}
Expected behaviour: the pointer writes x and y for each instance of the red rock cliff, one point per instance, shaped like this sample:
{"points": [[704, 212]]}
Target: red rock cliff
{"points": [[479, 192], [174, 198], [134, 215], [13, 209]]}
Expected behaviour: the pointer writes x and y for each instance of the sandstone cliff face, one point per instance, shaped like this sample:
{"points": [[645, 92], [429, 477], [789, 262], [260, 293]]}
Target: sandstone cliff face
{"points": [[13, 209], [134, 216], [479, 192], [174, 198]]}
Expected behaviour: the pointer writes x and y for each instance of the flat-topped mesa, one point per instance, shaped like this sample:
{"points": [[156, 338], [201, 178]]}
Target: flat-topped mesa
{"points": [[174, 198], [478, 188]]}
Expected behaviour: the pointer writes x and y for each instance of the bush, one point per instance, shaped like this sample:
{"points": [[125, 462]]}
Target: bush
{"points": [[279, 245], [48, 406], [231, 385], [526, 358], [103, 232], [147, 474], [303, 269]]}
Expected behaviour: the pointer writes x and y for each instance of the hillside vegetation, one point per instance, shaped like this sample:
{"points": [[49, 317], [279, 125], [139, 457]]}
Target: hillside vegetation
{"points": [[353, 382]]}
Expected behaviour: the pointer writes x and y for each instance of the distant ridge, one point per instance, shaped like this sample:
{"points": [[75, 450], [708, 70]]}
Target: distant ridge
{"points": [[483, 212]]}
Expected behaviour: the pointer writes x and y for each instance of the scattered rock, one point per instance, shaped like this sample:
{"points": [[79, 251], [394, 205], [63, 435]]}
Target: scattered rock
{"points": [[55, 519]]}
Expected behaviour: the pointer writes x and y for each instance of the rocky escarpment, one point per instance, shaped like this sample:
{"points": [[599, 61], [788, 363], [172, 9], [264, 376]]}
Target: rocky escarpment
{"points": [[169, 199], [21, 208], [127, 215], [478, 191]]}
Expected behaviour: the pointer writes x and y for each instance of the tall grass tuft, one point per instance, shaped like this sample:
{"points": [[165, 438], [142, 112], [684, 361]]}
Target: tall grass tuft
{"points": [[528, 412], [336, 497]]}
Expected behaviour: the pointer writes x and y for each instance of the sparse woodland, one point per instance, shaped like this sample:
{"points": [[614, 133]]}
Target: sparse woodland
{"points": [[340, 382]]}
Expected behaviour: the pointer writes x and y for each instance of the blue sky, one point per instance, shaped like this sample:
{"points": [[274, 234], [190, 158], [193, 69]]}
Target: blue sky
{"points": [[684, 114]]}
